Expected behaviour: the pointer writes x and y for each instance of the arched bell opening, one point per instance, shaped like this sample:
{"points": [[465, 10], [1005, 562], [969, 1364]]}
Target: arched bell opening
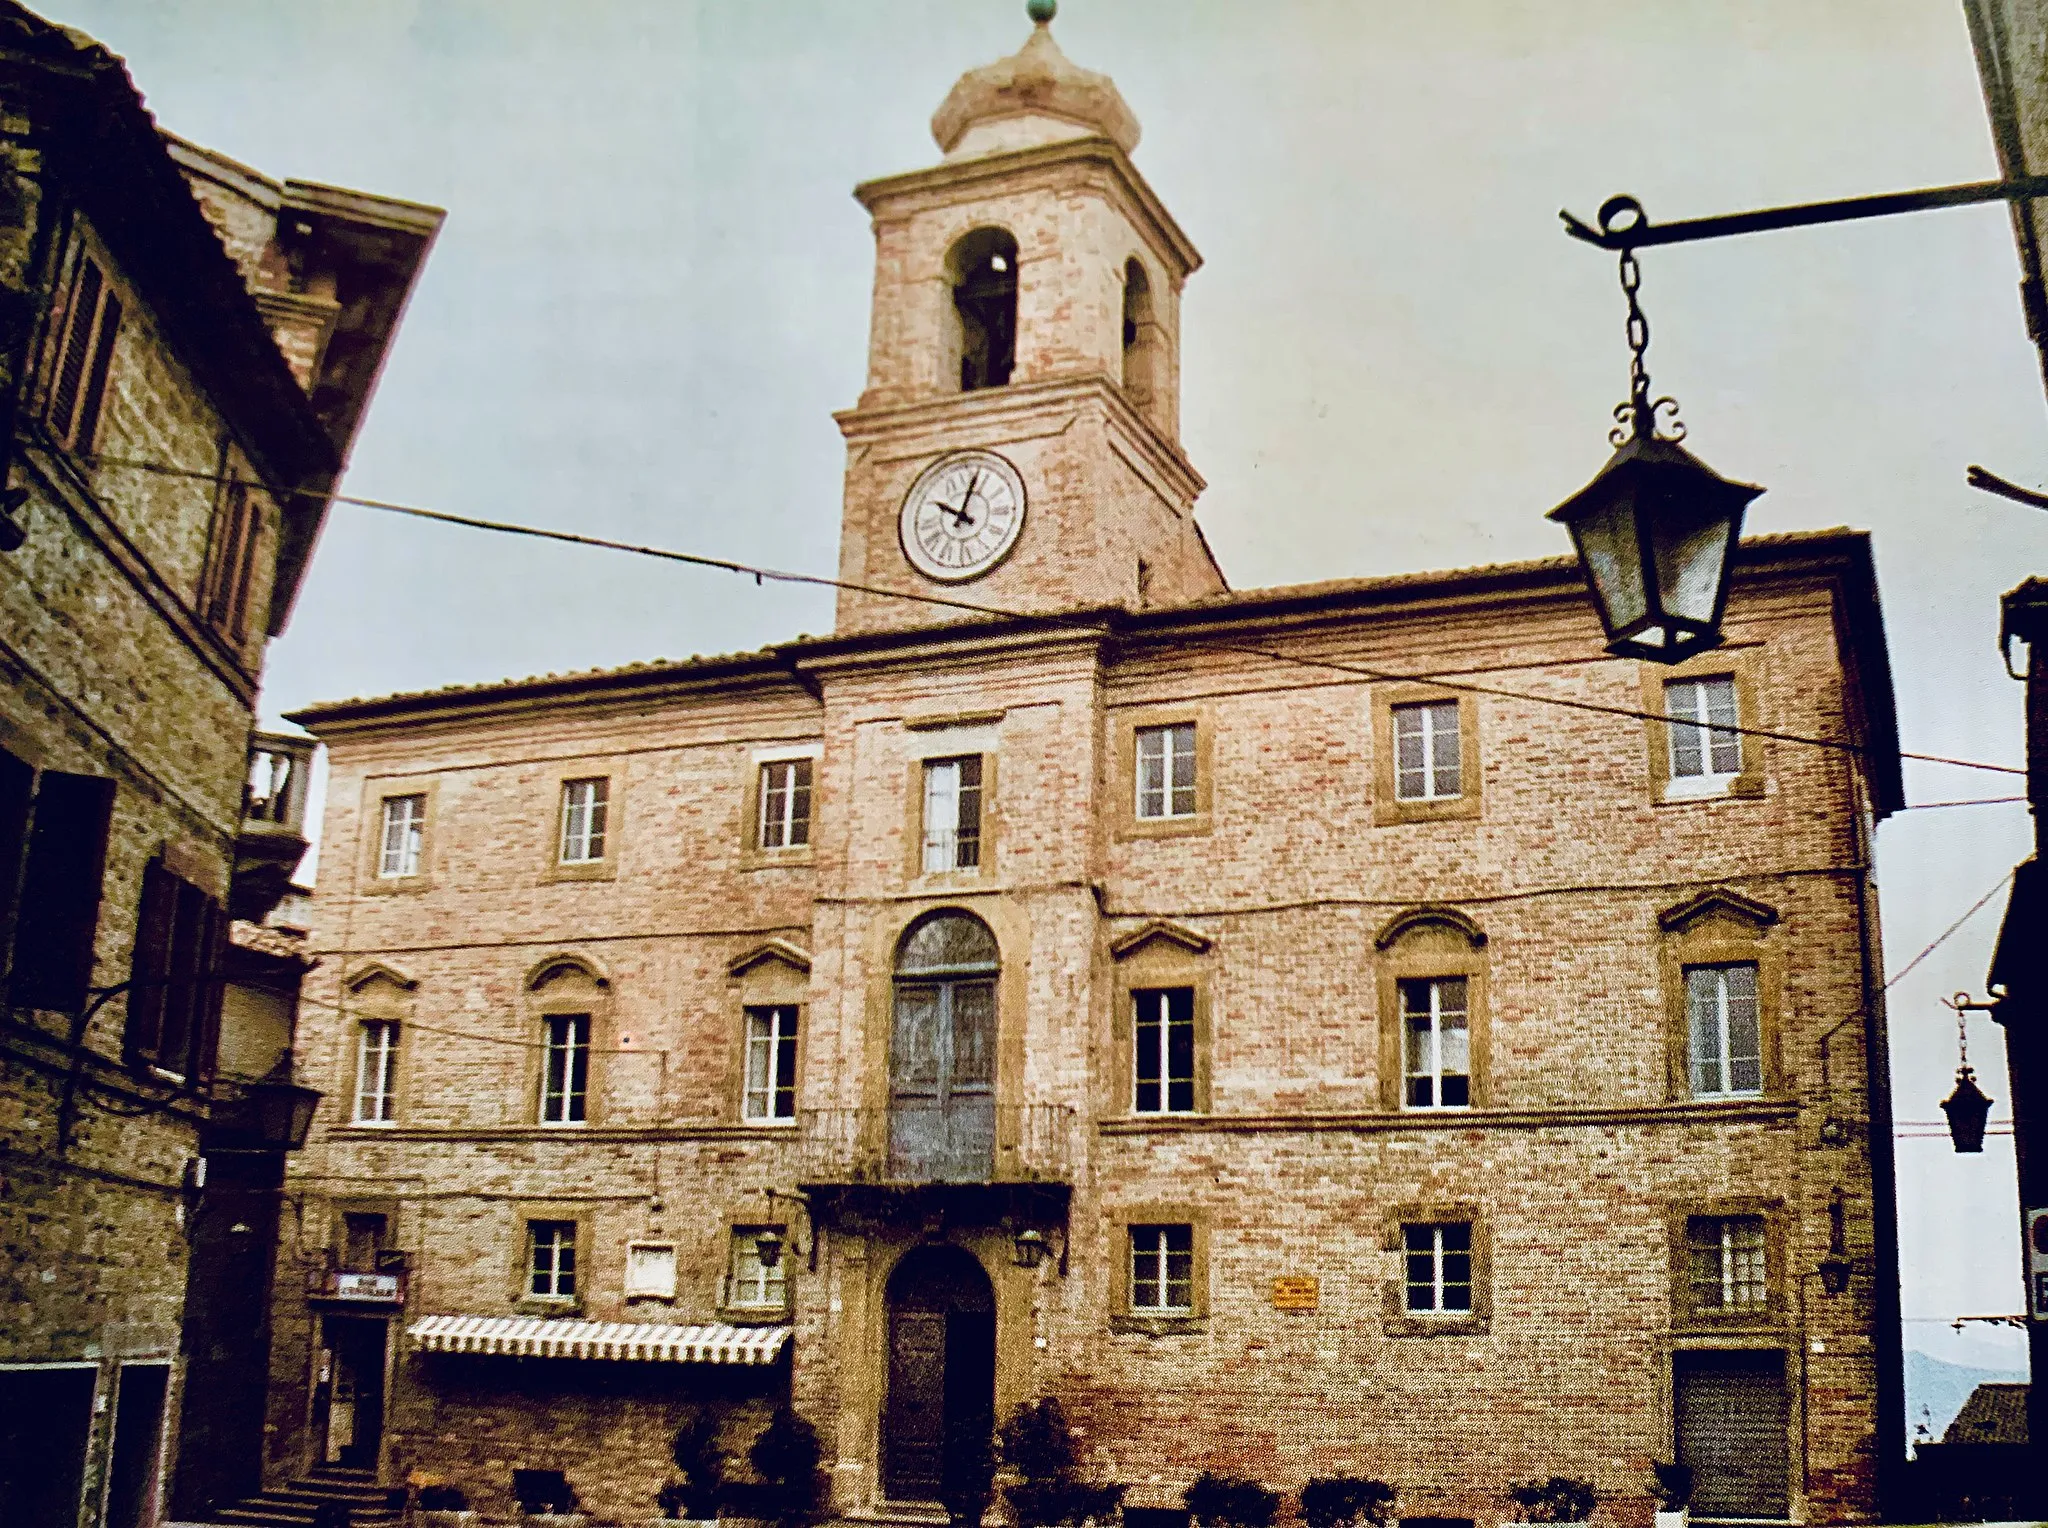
{"points": [[1141, 336], [942, 1369], [983, 270]]}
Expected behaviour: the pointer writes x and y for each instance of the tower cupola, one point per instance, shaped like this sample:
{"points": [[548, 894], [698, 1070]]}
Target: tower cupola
{"points": [[1036, 95]]}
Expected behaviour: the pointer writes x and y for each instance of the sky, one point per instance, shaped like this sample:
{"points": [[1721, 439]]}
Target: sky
{"points": [[652, 291]]}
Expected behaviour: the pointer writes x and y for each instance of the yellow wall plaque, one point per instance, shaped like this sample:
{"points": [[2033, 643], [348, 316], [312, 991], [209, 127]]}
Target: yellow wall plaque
{"points": [[1295, 1292]]}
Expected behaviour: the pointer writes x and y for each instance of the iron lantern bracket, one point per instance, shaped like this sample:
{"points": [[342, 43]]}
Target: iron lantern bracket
{"points": [[1640, 233]]}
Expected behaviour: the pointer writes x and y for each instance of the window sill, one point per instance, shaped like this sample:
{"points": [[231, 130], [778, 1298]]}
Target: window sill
{"points": [[755, 1315], [788, 1123], [581, 870], [1748, 1096], [1193, 824], [1711, 788], [1159, 1326], [1409, 1324], [1699, 1320], [397, 885], [370, 1124], [799, 858], [1391, 813], [545, 1305]]}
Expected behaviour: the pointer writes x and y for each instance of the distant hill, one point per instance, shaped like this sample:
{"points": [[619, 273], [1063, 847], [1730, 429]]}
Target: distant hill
{"points": [[1935, 1392]]}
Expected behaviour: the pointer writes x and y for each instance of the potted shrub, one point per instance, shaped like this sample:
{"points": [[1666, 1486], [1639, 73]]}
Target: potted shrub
{"points": [[785, 1456], [444, 1506], [1230, 1501], [1671, 1484], [1038, 1448], [1347, 1501], [1560, 1499], [701, 1463], [546, 1499]]}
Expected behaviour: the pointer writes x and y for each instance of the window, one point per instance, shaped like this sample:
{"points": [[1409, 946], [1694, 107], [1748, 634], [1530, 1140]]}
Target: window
{"points": [[376, 1072], [1436, 1038], [1438, 1269], [1166, 771], [551, 1259], [404, 831], [1725, 1046], [1728, 1266], [92, 322], [952, 813], [1427, 763], [174, 1004], [1162, 1270], [362, 1238], [785, 804], [771, 1064], [751, 1286], [230, 561], [57, 901], [565, 1069], [1704, 756], [1163, 1060], [583, 820]]}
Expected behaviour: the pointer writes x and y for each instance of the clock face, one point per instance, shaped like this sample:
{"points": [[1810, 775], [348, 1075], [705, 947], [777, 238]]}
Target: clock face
{"points": [[962, 516]]}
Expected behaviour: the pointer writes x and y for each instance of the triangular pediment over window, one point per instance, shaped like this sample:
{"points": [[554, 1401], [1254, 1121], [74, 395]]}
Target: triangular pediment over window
{"points": [[1719, 902], [376, 974], [1161, 931], [778, 950]]}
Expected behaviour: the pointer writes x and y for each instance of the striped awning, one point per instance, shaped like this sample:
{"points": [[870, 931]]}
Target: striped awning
{"points": [[644, 1341]]}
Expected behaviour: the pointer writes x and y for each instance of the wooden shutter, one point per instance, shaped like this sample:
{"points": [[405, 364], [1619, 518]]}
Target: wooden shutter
{"points": [[60, 892], [17, 787], [76, 348], [144, 1039], [1731, 1414], [88, 426]]}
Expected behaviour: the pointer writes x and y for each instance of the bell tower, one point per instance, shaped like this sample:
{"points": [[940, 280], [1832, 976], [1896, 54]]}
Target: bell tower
{"points": [[1018, 441]]}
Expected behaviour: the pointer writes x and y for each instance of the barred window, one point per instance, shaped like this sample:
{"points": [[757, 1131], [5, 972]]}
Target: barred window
{"points": [[1427, 760], [1166, 771], [1439, 1268], [585, 804], [1162, 1270], [1729, 1264]]}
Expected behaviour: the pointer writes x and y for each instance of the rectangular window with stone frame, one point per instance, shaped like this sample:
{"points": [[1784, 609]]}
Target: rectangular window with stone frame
{"points": [[1724, 1051], [1437, 1269], [1436, 1043], [565, 1069], [1727, 1262], [750, 1284], [551, 1259], [1427, 749], [1163, 1050], [1706, 747], [1162, 1270], [952, 814], [402, 831], [785, 791], [585, 806], [1166, 772], [769, 1094], [376, 1098]]}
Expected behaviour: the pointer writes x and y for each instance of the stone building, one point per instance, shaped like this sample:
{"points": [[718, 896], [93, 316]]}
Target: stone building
{"points": [[186, 350], [1352, 1028]]}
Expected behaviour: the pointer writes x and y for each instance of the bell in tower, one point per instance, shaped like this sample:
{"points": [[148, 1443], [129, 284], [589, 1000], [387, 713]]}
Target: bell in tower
{"points": [[1017, 443]]}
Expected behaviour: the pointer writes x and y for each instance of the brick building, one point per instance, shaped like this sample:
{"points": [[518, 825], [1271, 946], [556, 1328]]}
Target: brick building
{"points": [[1357, 1028], [162, 306]]}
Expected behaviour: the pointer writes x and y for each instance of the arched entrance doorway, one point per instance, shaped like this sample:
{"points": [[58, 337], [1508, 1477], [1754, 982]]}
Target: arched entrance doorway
{"points": [[942, 1052], [942, 1368]]}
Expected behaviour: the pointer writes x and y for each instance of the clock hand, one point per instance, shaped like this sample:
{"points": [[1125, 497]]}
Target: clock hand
{"points": [[968, 498], [960, 515]]}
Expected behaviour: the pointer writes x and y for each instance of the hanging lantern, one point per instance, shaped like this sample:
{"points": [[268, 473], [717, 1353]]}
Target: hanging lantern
{"points": [[1656, 529], [1966, 1108]]}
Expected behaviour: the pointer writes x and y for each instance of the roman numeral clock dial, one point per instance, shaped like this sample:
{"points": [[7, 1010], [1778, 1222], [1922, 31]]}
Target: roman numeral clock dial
{"points": [[962, 516]]}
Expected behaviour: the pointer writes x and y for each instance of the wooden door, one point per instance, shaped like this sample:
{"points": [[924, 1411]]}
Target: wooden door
{"points": [[914, 1421], [1730, 1409], [942, 1118]]}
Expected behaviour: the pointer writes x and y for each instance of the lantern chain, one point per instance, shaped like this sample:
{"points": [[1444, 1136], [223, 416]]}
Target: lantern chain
{"points": [[1638, 418]]}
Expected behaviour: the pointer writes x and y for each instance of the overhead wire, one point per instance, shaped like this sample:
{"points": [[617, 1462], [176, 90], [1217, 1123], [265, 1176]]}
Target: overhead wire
{"points": [[1943, 937], [760, 574]]}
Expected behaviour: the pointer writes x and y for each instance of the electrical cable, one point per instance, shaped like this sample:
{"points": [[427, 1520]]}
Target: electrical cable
{"points": [[1942, 938], [761, 574]]}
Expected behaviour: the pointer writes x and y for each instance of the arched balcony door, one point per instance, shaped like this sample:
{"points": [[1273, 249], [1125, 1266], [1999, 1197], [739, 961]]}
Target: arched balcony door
{"points": [[942, 1052]]}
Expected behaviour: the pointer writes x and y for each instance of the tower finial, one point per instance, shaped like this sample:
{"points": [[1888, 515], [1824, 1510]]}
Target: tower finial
{"points": [[1041, 12]]}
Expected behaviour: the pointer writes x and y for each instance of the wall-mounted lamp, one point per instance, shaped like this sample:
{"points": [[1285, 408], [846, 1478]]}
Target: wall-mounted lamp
{"points": [[1835, 1268], [1032, 1247], [769, 1242]]}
